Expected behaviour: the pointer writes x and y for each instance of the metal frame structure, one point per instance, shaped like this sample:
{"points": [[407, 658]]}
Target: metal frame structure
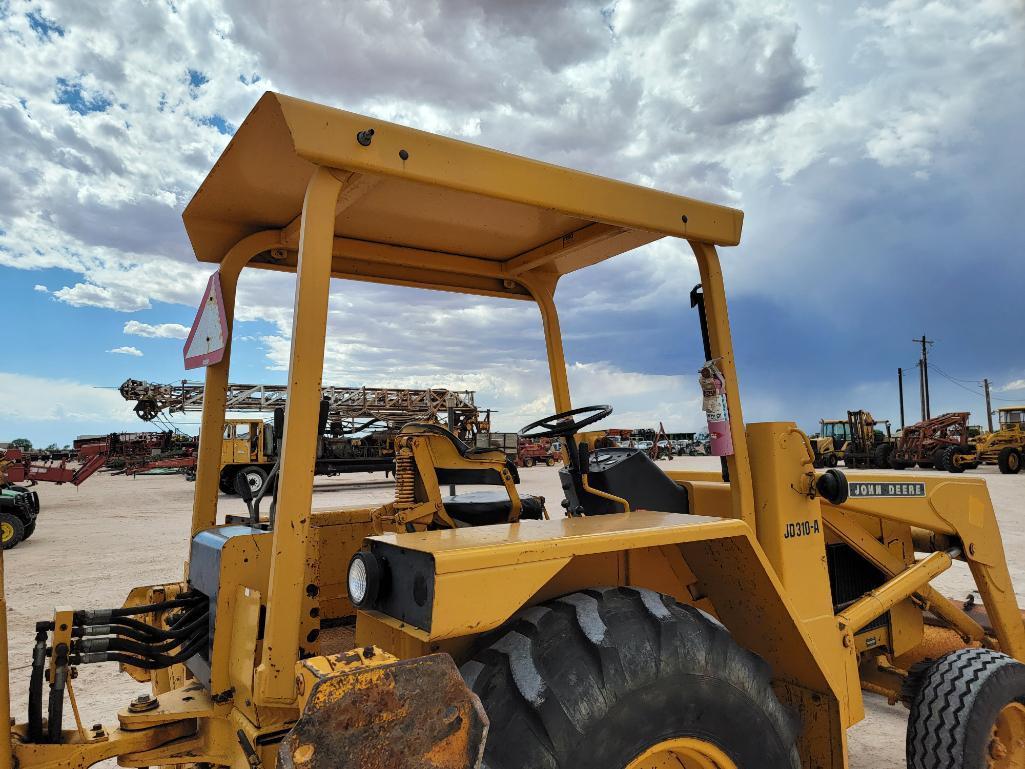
{"points": [[329, 194], [390, 405]]}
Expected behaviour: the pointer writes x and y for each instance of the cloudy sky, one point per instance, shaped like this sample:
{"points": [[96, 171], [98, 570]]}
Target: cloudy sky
{"points": [[876, 148]]}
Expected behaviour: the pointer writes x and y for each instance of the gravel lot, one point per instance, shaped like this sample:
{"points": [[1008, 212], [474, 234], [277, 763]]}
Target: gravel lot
{"points": [[96, 542]]}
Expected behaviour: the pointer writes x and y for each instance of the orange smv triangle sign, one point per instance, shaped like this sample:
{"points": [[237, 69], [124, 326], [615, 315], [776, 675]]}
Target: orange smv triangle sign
{"points": [[209, 334]]}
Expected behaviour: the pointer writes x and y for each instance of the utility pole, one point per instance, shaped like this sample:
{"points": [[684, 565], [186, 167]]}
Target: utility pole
{"points": [[924, 365], [921, 388], [989, 407], [900, 390]]}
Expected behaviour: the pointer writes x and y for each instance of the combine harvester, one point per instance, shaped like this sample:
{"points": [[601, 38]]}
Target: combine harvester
{"points": [[667, 619]]}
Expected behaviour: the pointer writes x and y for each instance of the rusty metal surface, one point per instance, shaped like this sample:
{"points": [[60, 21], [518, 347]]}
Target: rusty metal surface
{"points": [[409, 714]]}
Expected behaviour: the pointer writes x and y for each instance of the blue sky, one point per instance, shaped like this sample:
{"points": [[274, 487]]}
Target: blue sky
{"points": [[874, 146]]}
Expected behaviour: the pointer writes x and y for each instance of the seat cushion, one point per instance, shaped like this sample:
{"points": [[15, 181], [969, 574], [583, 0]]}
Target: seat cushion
{"points": [[481, 508]]}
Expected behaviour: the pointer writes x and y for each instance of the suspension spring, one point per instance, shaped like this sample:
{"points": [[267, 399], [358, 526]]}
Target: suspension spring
{"points": [[405, 478]]}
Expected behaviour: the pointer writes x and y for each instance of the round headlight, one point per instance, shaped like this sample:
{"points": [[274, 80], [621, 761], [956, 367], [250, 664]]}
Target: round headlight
{"points": [[364, 581]]}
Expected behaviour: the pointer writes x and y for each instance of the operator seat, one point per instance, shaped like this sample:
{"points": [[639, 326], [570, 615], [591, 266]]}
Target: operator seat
{"points": [[428, 457]]}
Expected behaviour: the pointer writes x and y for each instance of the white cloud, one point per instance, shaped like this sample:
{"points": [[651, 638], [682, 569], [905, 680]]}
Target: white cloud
{"points": [[133, 351], [38, 399], [731, 100], [40, 288], [157, 331], [111, 298], [1017, 384]]}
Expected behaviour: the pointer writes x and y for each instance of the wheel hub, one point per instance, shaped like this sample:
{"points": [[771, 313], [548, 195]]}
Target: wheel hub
{"points": [[1007, 742], [685, 753], [6, 531]]}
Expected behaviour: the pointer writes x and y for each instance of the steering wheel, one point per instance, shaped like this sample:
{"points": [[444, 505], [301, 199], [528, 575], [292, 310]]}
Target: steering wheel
{"points": [[563, 424]]}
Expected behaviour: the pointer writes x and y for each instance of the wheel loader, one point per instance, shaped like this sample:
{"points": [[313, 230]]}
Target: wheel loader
{"points": [[732, 619]]}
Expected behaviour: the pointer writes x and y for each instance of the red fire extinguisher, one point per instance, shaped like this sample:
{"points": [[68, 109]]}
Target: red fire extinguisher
{"points": [[713, 388]]}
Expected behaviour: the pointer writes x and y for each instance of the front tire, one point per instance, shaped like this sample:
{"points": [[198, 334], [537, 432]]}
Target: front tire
{"points": [[601, 678], [12, 530], [968, 713], [950, 460]]}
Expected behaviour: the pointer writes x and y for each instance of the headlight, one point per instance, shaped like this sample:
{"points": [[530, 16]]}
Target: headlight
{"points": [[364, 581]]}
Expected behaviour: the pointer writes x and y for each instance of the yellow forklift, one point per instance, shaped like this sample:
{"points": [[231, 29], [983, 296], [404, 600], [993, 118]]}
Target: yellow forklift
{"points": [[653, 618]]}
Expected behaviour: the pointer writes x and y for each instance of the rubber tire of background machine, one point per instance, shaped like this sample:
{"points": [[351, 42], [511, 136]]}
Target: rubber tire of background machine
{"points": [[226, 483], [528, 461], [17, 529], [830, 460], [950, 463], [258, 472], [1009, 460], [881, 456], [938, 458], [954, 710], [550, 462], [595, 678]]}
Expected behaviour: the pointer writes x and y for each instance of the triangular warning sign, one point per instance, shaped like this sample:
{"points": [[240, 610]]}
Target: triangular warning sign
{"points": [[209, 335]]}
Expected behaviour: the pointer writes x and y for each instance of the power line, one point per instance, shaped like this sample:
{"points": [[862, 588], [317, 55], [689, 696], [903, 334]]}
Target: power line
{"points": [[936, 368]]}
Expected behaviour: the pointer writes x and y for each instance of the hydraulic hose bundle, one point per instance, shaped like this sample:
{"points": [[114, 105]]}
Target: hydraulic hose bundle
{"points": [[112, 635]]}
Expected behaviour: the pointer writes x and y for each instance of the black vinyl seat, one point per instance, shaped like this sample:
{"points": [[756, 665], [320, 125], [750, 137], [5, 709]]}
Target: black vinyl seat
{"points": [[483, 508]]}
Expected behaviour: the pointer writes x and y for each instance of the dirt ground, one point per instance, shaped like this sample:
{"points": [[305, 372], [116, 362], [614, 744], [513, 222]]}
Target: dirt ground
{"points": [[96, 542]]}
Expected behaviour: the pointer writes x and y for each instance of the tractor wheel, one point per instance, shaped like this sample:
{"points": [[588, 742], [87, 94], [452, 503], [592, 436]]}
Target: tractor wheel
{"points": [[830, 460], [1009, 460], [624, 677], [256, 477], [968, 713], [881, 456], [898, 464], [528, 462], [550, 462], [950, 463], [12, 530], [938, 458], [227, 480]]}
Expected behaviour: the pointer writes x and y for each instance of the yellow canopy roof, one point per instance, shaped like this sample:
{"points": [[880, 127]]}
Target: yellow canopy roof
{"points": [[435, 198]]}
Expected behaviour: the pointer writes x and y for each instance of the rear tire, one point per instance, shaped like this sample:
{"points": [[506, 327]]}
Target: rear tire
{"points": [[528, 462], [12, 530], [550, 462], [961, 710], [256, 477], [596, 678], [1009, 460], [881, 455]]}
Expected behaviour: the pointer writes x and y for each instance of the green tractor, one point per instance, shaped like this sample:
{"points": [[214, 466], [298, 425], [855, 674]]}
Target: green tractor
{"points": [[19, 508]]}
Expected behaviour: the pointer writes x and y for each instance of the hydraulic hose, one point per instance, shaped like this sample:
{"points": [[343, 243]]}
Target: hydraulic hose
{"points": [[35, 688], [157, 663], [55, 711]]}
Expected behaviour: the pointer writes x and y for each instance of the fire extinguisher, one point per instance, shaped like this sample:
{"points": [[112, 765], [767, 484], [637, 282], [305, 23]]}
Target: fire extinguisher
{"points": [[713, 390]]}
